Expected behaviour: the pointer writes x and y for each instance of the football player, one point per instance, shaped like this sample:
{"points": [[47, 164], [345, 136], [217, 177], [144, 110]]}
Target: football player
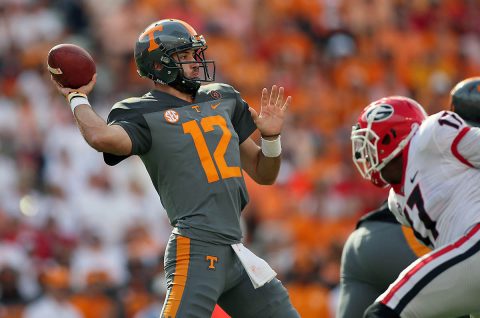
{"points": [[194, 142], [373, 256], [431, 165], [465, 100], [380, 247]]}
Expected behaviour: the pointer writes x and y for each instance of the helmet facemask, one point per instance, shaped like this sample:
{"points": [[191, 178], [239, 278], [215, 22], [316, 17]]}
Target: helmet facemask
{"points": [[191, 85], [364, 150]]}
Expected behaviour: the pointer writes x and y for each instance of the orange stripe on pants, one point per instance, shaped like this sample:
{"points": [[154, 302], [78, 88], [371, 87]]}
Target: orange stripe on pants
{"points": [[179, 277]]}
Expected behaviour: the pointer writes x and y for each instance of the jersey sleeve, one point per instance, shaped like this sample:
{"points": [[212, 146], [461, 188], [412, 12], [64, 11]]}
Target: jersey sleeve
{"points": [[468, 146], [453, 132], [242, 119], [136, 127]]}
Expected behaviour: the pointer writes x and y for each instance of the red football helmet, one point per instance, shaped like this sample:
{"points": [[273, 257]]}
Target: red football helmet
{"points": [[383, 129]]}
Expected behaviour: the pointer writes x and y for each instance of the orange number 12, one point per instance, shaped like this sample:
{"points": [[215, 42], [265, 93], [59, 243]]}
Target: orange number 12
{"points": [[208, 123]]}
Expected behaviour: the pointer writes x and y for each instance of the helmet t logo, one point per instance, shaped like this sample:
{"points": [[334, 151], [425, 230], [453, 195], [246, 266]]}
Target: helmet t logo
{"points": [[153, 45]]}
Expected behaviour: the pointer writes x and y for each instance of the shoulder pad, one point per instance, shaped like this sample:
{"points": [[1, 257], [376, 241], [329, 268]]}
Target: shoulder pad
{"points": [[129, 103], [221, 88]]}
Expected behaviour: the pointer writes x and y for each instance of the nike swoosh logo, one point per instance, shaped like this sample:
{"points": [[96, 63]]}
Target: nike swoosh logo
{"points": [[412, 179], [214, 106]]}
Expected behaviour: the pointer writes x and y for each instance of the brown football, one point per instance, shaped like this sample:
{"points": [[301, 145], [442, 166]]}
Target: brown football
{"points": [[70, 65]]}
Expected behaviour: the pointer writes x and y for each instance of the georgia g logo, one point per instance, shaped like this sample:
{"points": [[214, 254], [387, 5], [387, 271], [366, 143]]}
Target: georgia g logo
{"points": [[171, 116], [378, 113]]}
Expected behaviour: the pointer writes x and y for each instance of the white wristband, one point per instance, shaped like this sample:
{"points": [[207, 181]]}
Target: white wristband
{"points": [[271, 148], [75, 99]]}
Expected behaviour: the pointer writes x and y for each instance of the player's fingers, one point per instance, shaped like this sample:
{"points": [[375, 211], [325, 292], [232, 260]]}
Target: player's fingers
{"points": [[57, 85], [273, 95], [93, 81], [264, 100], [86, 89], [287, 103], [63, 90], [279, 101]]}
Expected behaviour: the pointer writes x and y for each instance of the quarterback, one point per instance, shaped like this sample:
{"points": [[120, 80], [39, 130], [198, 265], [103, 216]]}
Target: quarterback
{"points": [[195, 144]]}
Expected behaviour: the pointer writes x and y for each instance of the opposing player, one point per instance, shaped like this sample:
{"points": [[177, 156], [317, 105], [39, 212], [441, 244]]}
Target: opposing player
{"points": [[194, 141], [431, 164], [465, 100], [373, 256], [380, 247]]}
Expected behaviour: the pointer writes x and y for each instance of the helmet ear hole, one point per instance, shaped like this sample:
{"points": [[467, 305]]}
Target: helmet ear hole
{"points": [[394, 133], [386, 140], [388, 137]]}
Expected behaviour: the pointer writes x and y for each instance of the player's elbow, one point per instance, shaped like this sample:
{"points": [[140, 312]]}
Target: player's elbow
{"points": [[103, 143], [111, 143], [98, 142]]}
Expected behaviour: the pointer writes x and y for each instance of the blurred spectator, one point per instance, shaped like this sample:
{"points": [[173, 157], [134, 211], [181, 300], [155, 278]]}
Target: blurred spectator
{"points": [[157, 289], [139, 292], [92, 256], [18, 270], [10, 293], [55, 301], [93, 299]]}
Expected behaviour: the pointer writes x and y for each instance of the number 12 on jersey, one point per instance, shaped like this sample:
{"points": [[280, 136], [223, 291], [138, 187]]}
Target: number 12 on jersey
{"points": [[208, 163]]}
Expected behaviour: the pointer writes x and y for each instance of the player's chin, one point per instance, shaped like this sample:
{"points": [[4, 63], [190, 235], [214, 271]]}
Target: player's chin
{"points": [[194, 76]]}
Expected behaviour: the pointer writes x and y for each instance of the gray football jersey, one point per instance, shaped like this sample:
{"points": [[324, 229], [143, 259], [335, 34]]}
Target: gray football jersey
{"points": [[191, 152]]}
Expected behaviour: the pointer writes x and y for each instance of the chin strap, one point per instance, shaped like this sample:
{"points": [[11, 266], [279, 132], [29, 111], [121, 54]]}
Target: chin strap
{"points": [[185, 85]]}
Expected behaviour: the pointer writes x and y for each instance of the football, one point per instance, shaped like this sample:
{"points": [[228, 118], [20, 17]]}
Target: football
{"points": [[70, 65]]}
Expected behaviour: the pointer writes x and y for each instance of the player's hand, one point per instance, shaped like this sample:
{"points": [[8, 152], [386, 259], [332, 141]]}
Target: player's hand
{"points": [[86, 89], [272, 112]]}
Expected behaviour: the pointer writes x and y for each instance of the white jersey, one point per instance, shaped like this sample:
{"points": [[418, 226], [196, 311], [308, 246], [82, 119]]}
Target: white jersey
{"points": [[441, 186]]}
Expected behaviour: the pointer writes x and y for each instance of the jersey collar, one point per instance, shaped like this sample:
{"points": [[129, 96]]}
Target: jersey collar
{"points": [[174, 101]]}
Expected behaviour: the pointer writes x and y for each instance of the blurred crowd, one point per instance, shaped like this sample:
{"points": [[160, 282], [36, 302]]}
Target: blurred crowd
{"points": [[81, 239]]}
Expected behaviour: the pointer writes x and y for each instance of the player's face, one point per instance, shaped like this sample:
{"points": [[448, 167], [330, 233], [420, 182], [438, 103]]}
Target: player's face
{"points": [[392, 172], [190, 66]]}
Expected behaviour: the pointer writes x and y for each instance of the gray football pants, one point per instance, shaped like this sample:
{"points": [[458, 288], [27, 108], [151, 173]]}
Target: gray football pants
{"points": [[372, 258], [200, 275]]}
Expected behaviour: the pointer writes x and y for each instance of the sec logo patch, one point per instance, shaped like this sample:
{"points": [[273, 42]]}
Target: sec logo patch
{"points": [[171, 116], [215, 95]]}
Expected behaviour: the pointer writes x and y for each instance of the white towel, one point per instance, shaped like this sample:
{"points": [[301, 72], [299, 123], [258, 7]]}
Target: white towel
{"points": [[257, 269]]}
